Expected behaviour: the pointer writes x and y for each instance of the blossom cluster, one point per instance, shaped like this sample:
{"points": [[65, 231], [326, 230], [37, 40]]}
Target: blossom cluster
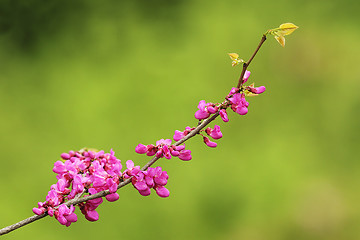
{"points": [[215, 133], [164, 148], [236, 100], [143, 181], [90, 172]]}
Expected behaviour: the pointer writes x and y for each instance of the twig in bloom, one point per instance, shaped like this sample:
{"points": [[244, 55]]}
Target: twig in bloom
{"points": [[98, 174]]}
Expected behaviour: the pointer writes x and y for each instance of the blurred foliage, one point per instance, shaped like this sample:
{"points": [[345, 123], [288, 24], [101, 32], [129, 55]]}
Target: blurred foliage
{"points": [[112, 74]]}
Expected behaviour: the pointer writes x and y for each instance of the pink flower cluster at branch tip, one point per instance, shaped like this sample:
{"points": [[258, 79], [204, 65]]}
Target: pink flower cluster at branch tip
{"points": [[89, 172], [164, 148]]}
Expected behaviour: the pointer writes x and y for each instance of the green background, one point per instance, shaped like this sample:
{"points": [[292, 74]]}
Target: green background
{"points": [[112, 74]]}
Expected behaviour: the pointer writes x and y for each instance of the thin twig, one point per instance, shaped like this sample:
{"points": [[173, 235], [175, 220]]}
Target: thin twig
{"points": [[246, 64], [22, 223]]}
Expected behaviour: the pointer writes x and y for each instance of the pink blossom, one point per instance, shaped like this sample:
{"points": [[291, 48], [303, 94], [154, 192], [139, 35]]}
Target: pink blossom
{"points": [[39, 211], [180, 147], [131, 169], [202, 113], [59, 167], [180, 135], [151, 150], [257, 90], [212, 109], [91, 215], [246, 76], [185, 155], [232, 92], [162, 142], [205, 110], [112, 197], [160, 177], [65, 156], [223, 115], [65, 215], [149, 177], [162, 191], [214, 133], [239, 104], [53, 198], [209, 143], [145, 192]]}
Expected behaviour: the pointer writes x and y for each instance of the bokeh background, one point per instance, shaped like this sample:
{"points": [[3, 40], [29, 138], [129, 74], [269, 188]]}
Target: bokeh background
{"points": [[112, 74]]}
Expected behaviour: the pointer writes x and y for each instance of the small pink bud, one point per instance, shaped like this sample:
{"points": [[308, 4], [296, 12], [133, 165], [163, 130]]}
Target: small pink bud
{"points": [[51, 212], [159, 153], [242, 110], [71, 218], [246, 76], [212, 109], [162, 191], [141, 186], [257, 90], [92, 215], [174, 153], [112, 197], [180, 147], [151, 150], [209, 143], [141, 149], [65, 156], [145, 192], [223, 115], [260, 89], [38, 211]]}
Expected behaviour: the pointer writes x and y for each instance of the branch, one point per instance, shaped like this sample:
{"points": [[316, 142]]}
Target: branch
{"points": [[22, 223], [78, 199], [246, 64]]}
